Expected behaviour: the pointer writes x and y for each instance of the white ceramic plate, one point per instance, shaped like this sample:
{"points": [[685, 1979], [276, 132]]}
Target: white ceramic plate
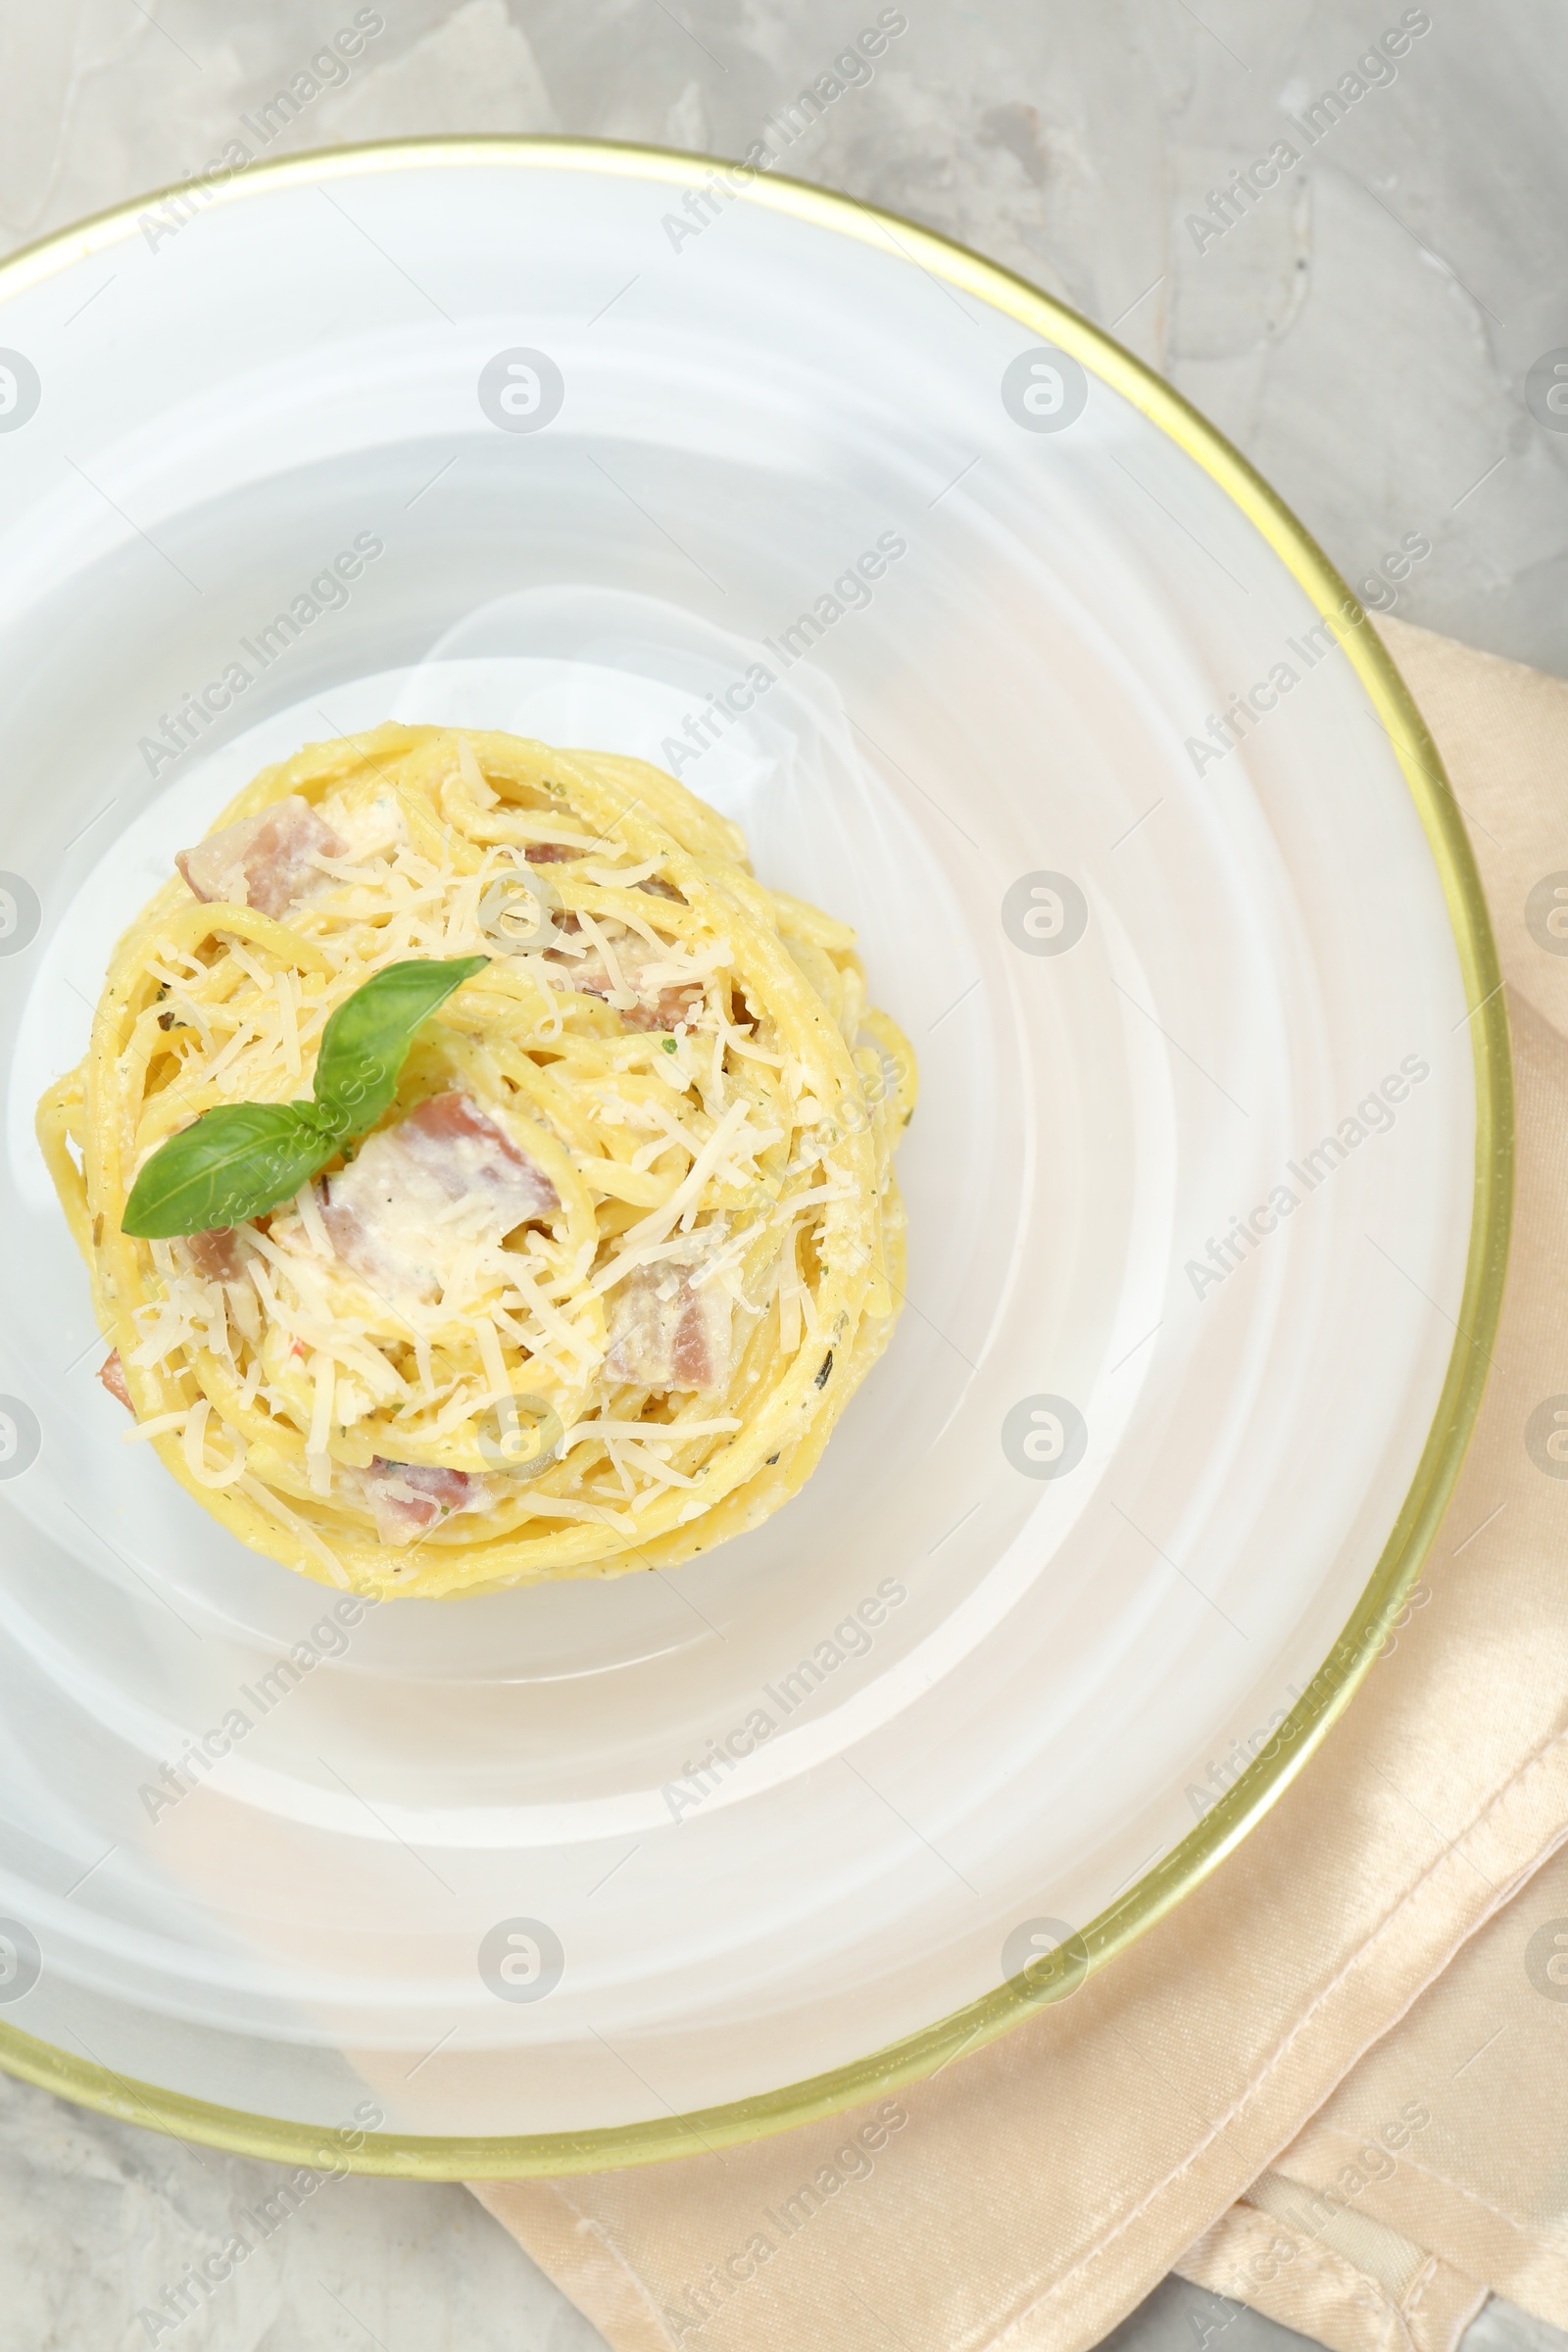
{"points": [[1100, 1519]]}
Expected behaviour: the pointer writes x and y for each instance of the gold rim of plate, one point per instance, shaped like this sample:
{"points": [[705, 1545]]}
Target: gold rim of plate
{"points": [[1228, 1820]]}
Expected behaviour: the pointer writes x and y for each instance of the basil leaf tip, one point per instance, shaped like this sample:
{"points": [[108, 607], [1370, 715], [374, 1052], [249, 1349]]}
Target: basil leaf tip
{"points": [[242, 1158]]}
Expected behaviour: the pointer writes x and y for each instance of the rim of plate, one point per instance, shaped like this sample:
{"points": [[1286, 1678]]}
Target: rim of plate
{"points": [[1228, 1820]]}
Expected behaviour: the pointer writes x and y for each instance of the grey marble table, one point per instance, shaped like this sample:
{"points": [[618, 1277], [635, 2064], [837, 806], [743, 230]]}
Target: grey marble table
{"points": [[1364, 325]]}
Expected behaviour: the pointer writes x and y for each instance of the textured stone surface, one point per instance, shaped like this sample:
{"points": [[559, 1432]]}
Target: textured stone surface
{"points": [[1363, 331], [100, 2222]]}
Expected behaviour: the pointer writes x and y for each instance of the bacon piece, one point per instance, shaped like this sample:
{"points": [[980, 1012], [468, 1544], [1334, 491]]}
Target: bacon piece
{"points": [[464, 1151], [264, 860], [549, 852], [408, 1497], [590, 974], [681, 1342], [388, 1214], [663, 1011], [112, 1372], [216, 1253]]}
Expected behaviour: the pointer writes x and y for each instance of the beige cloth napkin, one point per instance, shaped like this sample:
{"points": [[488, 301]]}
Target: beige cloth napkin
{"points": [[1332, 2081]]}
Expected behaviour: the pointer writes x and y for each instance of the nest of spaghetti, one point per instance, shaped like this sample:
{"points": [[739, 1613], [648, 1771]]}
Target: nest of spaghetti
{"points": [[590, 1294]]}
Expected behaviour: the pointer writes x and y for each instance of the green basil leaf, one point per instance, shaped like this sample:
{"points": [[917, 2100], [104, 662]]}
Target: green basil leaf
{"points": [[244, 1158], [366, 1043], [233, 1162]]}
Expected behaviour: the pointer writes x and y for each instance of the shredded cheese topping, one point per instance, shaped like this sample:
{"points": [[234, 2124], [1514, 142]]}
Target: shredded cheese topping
{"points": [[651, 1241]]}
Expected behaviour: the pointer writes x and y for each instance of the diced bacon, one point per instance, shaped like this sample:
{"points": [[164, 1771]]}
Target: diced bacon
{"points": [[463, 1149], [671, 1004], [655, 1011], [112, 1372], [659, 1010], [681, 1342], [217, 1254], [262, 861], [408, 1497], [549, 852], [389, 1213]]}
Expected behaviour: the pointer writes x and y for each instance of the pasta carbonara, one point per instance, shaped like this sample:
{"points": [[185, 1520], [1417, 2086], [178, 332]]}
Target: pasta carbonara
{"points": [[592, 1293]]}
